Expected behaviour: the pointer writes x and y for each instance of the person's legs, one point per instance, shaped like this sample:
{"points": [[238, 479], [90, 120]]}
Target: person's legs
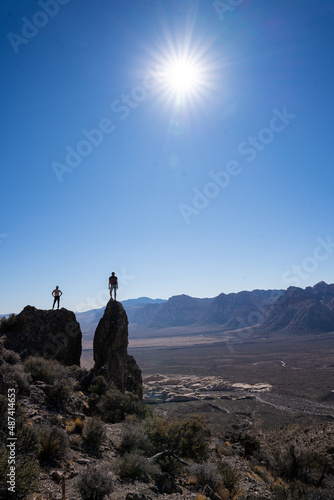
{"points": [[115, 293], [58, 301], [54, 302]]}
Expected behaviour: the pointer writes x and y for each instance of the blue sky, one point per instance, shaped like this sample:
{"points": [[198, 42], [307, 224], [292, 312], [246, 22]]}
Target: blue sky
{"points": [[105, 166]]}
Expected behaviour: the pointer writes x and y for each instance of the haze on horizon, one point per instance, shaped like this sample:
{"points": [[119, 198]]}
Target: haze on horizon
{"points": [[185, 145]]}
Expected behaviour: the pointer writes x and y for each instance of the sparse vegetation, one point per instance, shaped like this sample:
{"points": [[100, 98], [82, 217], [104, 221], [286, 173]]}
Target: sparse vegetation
{"points": [[95, 482], [114, 406], [60, 392], [94, 432], [44, 370], [135, 438], [98, 386], [135, 466], [230, 475], [54, 443], [75, 425], [15, 376], [206, 474], [187, 437]]}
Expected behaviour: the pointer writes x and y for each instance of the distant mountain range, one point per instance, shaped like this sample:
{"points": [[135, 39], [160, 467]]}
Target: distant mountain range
{"points": [[301, 311], [291, 311]]}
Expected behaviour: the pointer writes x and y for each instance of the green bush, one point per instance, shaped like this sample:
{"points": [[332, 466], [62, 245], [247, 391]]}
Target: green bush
{"points": [[60, 392], [136, 466], [98, 386], [54, 443], [95, 482], [114, 405], [41, 369], [94, 432], [187, 437], [134, 438]]}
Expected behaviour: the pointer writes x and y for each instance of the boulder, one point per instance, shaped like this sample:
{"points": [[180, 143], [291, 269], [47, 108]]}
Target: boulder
{"points": [[47, 333], [110, 350]]}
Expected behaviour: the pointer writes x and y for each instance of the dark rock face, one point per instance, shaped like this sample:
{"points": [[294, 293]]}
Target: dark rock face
{"points": [[50, 334], [110, 350]]}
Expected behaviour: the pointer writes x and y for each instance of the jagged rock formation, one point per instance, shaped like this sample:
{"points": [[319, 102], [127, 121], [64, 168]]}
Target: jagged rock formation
{"points": [[50, 334], [302, 311], [110, 350]]}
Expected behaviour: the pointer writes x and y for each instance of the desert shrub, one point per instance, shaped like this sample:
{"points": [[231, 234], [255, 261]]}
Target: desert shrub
{"points": [[171, 466], [27, 438], [94, 432], [11, 357], [114, 405], [41, 369], [250, 443], [206, 473], [187, 437], [54, 443], [59, 392], [134, 437], [229, 474], [75, 425], [302, 465], [95, 482], [26, 474], [136, 466], [296, 490], [98, 386], [15, 376]]}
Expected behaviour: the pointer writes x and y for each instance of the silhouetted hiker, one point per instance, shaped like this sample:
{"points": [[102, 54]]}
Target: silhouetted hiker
{"points": [[56, 294], [113, 285]]}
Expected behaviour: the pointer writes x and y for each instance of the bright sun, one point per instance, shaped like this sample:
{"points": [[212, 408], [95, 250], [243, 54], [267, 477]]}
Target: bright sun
{"points": [[181, 76]]}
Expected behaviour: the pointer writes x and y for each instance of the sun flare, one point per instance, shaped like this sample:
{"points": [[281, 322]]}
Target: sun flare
{"points": [[182, 76]]}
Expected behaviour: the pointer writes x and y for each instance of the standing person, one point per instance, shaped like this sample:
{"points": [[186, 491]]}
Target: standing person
{"points": [[113, 285], [56, 294]]}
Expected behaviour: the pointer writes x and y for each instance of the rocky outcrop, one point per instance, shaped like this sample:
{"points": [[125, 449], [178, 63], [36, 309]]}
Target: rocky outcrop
{"points": [[47, 333], [110, 350]]}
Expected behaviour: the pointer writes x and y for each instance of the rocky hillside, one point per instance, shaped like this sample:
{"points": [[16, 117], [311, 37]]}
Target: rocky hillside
{"points": [[47, 333], [302, 311]]}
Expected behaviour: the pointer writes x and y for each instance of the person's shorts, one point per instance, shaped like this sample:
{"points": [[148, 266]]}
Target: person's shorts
{"points": [[113, 287]]}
